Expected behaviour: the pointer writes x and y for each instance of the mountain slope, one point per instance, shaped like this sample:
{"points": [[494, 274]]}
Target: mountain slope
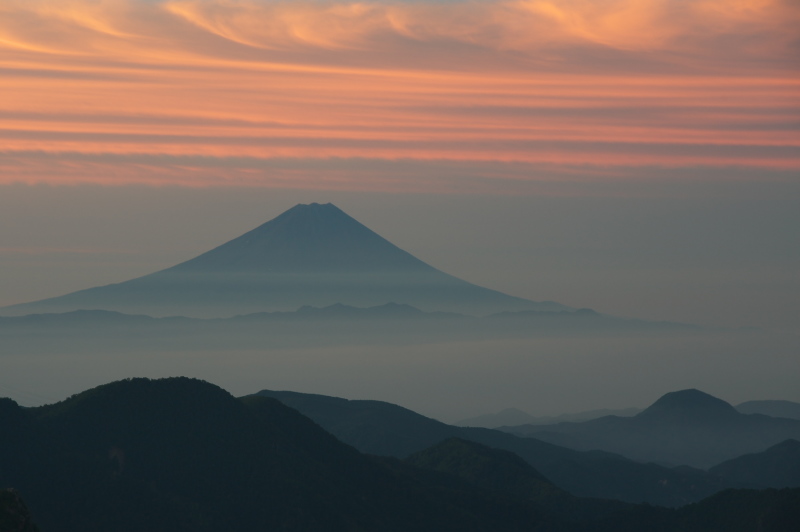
{"points": [[183, 455], [14, 514], [776, 467], [507, 416], [310, 255], [513, 417], [774, 408], [376, 427], [483, 466], [505, 472], [727, 511], [306, 238], [687, 427]]}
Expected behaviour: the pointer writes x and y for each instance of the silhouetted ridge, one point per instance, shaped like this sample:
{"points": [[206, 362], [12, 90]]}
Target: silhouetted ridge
{"points": [[381, 428], [688, 427], [182, 455], [306, 238], [688, 405], [489, 468], [774, 408], [776, 467]]}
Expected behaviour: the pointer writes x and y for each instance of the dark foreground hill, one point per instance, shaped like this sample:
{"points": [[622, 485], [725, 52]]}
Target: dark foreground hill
{"points": [[381, 428], [504, 472], [14, 513], [685, 427], [309, 255], [494, 469], [183, 455]]}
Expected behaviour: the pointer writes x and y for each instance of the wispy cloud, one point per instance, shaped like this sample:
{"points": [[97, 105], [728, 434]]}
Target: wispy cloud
{"points": [[135, 87]]}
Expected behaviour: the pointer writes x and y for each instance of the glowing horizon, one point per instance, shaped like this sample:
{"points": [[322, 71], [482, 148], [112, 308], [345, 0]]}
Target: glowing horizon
{"points": [[395, 95]]}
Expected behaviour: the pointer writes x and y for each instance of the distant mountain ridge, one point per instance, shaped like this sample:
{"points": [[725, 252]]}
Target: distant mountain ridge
{"points": [[102, 331], [774, 408], [689, 406], [380, 428], [336, 311], [776, 467], [687, 427], [310, 255], [512, 416]]}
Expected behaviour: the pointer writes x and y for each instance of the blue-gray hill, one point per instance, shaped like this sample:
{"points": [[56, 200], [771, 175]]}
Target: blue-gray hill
{"points": [[381, 428], [687, 427], [776, 467], [774, 408]]}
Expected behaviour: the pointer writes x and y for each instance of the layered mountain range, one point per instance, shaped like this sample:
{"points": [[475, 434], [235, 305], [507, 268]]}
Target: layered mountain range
{"points": [[510, 417], [310, 255], [687, 427], [380, 428], [181, 454]]}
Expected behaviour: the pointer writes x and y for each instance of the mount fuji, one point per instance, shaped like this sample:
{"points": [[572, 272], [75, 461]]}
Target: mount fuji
{"points": [[310, 255]]}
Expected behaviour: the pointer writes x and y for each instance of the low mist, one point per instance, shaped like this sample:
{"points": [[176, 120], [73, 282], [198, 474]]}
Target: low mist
{"points": [[446, 378]]}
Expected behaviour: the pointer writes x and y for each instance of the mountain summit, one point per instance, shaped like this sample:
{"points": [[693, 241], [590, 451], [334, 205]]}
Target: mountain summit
{"points": [[689, 406], [310, 255], [687, 427], [307, 238]]}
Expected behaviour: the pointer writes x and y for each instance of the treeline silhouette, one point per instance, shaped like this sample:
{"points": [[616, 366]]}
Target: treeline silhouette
{"points": [[184, 455]]}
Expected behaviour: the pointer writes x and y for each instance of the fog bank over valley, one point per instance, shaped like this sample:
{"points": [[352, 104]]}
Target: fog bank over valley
{"points": [[448, 380]]}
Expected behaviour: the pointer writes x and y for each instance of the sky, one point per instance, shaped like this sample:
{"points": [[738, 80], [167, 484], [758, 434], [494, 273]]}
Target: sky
{"points": [[426, 97], [639, 157]]}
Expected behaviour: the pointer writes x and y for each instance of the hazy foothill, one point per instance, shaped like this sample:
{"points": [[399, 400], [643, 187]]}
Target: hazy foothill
{"points": [[303, 295], [686, 427]]}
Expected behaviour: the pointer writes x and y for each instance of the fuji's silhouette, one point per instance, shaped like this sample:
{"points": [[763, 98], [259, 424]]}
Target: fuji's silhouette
{"points": [[309, 255]]}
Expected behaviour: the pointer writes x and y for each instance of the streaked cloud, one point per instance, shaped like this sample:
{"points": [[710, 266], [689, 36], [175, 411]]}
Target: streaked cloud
{"points": [[280, 93]]}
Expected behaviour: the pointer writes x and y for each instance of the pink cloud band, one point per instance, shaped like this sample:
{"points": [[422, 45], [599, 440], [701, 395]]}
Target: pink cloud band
{"points": [[609, 85]]}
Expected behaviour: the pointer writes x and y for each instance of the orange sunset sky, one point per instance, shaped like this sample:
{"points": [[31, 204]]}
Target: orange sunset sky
{"points": [[396, 96]]}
